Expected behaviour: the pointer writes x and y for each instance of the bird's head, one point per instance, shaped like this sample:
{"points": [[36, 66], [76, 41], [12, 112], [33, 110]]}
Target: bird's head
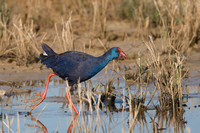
{"points": [[117, 52]]}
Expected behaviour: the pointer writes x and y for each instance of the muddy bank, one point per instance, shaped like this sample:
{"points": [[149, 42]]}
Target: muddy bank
{"points": [[134, 50]]}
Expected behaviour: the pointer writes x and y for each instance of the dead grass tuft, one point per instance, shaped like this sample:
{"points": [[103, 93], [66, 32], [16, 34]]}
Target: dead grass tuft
{"points": [[65, 24]]}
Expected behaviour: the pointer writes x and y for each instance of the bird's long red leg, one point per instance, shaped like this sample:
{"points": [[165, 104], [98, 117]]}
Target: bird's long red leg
{"points": [[45, 91], [70, 102]]}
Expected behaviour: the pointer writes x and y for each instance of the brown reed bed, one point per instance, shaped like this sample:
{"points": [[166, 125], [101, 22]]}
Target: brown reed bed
{"points": [[70, 25], [83, 25], [166, 73]]}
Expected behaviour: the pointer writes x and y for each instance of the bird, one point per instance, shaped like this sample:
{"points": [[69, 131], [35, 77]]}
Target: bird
{"points": [[74, 66]]}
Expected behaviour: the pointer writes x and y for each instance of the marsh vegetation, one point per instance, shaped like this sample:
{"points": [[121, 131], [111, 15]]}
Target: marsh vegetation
{"points": [[153, 91]]}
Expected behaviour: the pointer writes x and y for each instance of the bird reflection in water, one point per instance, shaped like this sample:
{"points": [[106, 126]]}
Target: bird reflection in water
{"points": [[43, 128]]}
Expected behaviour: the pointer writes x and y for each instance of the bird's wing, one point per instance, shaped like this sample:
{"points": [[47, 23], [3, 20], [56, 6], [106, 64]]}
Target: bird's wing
{"points": [[77, 56], [69, 64]]}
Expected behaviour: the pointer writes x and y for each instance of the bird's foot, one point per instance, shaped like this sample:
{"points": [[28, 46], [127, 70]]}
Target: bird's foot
{"points": [[41, 99], [33, 100], [37, 94]]}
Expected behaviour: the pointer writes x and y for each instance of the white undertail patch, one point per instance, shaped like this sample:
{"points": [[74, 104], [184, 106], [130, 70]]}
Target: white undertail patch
{"points": [[45, 54]]}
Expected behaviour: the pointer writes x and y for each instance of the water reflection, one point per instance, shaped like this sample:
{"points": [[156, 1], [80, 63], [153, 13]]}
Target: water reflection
{"points": [[40, 127], [98, 112], [72, 124]]}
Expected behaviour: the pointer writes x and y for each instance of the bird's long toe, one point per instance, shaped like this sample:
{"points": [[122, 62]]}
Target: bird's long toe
{"points": [[41, 98], [33, 100], [38, 94]]}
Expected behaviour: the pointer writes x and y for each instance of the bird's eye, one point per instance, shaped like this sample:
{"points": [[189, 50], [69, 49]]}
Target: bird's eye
{"points": [[117, 51]]}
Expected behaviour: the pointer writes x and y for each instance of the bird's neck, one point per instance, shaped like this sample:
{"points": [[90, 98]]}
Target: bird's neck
{"points": [[105, 58], [102, 61]]}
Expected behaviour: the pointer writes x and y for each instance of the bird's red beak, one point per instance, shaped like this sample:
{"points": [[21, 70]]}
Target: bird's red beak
{"points": [[122, 54]]}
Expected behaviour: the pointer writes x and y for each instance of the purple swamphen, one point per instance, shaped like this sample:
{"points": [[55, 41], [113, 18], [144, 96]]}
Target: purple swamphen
{"points": [[75, 66]]}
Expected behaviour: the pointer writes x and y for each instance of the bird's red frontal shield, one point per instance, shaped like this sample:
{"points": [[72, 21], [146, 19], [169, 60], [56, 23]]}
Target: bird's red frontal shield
{"points": [[122, 54]]}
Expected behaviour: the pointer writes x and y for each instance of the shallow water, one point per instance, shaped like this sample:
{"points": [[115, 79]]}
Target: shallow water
{"points": [[54, 114]]}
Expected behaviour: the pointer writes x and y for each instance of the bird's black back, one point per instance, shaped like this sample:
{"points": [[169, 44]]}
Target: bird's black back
{"points": [[72, 65]]}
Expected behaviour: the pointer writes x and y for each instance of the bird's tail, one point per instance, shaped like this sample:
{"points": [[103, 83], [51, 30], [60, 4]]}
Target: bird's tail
{"points": [[47, 52]]}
